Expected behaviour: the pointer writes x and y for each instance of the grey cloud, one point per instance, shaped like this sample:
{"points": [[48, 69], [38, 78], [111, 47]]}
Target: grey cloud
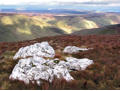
{"points": [[92, 2]]}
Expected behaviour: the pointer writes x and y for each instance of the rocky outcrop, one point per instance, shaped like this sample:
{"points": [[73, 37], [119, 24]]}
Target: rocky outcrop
{"points": [[78, 64], [35, 68], [74, 49], [38, 49]]}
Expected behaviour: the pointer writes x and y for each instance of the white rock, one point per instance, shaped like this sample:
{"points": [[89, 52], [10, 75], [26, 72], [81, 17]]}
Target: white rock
{"points": [[78, 64], [62, 72], [35, 69], [74, 49], [38, 60], [42, 49]]}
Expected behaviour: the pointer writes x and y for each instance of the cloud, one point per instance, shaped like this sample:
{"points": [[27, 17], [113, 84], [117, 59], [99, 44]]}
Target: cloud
{"points": [[63, 2], [103, 2]]}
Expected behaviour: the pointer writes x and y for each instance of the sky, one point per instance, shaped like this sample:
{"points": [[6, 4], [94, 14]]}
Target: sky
{"points": [[77, 3], [83, 2]]}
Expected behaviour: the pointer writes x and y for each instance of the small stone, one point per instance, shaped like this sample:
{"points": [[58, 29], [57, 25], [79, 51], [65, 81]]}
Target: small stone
{"points": [[78, 64], [74, 49]]}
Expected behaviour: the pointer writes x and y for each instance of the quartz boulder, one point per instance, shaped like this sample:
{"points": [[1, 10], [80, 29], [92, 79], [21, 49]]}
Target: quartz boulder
{"points": [[74, 49], [42, 49]]}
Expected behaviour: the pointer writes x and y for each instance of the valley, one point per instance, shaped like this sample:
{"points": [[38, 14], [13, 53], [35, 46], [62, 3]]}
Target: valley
{"points": [[27, 26]]}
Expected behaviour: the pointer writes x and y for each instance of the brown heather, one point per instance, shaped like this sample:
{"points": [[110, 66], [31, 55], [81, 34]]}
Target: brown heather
{"points": [[104, 74]]}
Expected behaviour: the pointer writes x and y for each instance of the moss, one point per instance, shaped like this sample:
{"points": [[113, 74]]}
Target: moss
{"points": [[56, 61], [8, 54], [46, 64], [33, 65]]}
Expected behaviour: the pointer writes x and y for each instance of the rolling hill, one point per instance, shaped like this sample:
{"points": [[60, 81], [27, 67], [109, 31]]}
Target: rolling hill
{"points": [[27, 26], [111, 29]]}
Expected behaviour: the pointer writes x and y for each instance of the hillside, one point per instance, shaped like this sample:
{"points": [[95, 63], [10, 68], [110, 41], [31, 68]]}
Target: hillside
{"points": [[111, 29], [27, 26], [104, 74], [22, 27]]}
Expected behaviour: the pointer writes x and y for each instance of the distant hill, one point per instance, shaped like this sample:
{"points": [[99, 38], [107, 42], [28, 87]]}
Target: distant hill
{"points": [[111, 29], [52, 11], [27, 26], [21, 27]]}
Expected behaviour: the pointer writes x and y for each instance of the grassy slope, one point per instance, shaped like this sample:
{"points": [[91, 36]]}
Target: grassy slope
{"points": [[103, 74], [111, 29], [90, 21], [22, 27]]}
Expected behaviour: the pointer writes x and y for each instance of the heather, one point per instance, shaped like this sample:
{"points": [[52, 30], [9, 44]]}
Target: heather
{"points": [[103, 74]]}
